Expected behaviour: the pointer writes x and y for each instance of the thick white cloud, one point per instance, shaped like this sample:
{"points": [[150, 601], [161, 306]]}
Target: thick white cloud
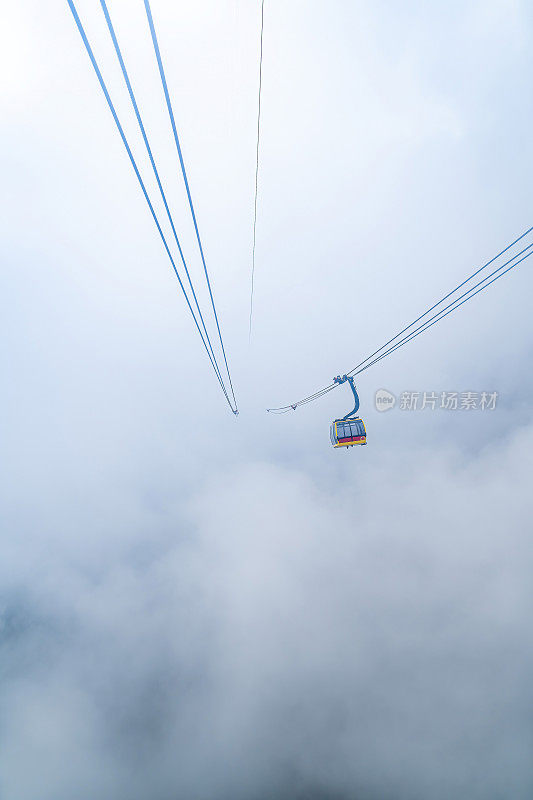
{"points": [[279, 634]]}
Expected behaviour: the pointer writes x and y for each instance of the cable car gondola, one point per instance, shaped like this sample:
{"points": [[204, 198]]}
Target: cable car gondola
{"points": [[350, 430]]}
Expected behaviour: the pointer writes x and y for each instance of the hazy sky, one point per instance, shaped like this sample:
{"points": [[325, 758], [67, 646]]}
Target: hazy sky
{"points": [[201, 607]]}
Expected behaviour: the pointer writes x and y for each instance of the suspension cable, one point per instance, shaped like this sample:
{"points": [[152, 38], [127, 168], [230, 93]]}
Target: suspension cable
{"points": [[428, 323], [184, 173], [140, 180], [257, 166], [455, 304], [453, 291], [142, 129]]}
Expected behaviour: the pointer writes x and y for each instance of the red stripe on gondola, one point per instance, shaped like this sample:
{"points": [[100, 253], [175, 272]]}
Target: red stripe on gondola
{"points": [[350, 439]]}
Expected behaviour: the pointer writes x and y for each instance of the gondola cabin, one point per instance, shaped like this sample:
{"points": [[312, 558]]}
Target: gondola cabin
{"points": [[348, 432]]}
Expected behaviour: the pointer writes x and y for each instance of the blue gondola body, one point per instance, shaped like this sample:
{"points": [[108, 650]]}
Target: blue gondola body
{"points": [[350, 430]]}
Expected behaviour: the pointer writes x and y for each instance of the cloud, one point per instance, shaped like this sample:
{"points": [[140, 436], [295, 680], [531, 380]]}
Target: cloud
{"points": [[281, 636]]}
